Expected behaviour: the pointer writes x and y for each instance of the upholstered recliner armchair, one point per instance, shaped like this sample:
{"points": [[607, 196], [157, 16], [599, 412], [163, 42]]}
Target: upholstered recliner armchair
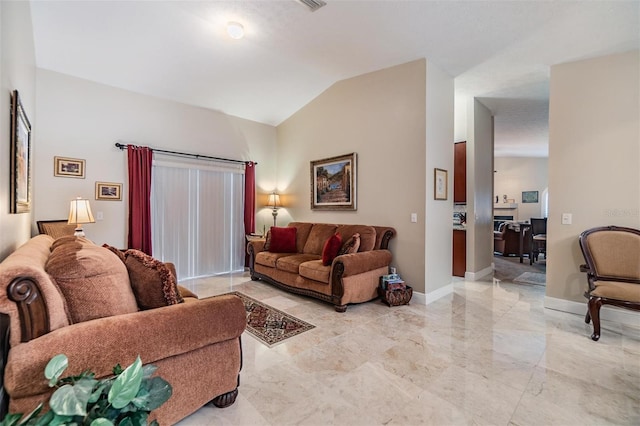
{"points": [[612, 254], [100, 308]]}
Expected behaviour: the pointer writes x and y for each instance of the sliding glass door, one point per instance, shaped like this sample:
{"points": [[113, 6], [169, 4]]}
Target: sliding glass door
{"points": [[197, 216]]}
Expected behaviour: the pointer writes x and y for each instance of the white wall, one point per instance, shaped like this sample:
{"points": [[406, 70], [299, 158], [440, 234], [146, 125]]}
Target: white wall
{"points": [[594, 160], [479, 190], [17, 72], [381, 116], [516, 174], [439, 154], [82, 119]]}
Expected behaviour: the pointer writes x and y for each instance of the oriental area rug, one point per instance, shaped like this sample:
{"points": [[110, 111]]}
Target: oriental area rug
{"points": [[270, 325]]}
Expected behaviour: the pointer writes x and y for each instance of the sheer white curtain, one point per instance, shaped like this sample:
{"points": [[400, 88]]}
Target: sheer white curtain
{"points": [[197, 216]]}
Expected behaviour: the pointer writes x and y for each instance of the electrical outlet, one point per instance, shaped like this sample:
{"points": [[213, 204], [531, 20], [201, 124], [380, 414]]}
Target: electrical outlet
{"points": [[567, 218], [414, 217]]}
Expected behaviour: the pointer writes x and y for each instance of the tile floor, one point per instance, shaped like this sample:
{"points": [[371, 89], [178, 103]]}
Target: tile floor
{"points": [[488, 354]]}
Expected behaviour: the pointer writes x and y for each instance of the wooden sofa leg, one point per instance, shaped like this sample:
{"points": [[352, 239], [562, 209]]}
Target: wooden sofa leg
{"points": [[226, 399], [594, 311], [340, 308]]}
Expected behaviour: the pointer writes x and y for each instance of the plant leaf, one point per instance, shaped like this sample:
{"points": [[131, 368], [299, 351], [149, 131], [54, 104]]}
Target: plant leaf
{"points": [[159, 392], [148, 370], [71, 400], [101, 422], [126, 385], [55, 367], [11, 419]]}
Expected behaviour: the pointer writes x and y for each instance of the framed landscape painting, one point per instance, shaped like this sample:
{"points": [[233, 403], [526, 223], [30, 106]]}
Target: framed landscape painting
{"points": [[68, 167], [108, 191], [333, 183], [529, 196], [20, 157]]}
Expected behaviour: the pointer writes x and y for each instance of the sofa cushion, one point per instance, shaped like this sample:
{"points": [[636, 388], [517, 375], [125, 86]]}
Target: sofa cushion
{"points": [[151, 280], [94, 282], [320, 232], [367, 235], [292, 263], [267, 240], [302, 234], [115, 251], [330, 249], [283, 240], [266, 258], [315, 270], [351, 245]]}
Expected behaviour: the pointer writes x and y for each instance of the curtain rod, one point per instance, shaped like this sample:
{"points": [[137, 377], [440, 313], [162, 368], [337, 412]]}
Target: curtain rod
{"points": [[187, 154]]}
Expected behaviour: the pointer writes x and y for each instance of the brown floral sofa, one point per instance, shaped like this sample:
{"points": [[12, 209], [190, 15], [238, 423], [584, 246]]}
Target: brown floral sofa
{"points": [[347, 278], [101, 307]]}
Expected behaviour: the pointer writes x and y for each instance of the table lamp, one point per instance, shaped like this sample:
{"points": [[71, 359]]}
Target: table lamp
{"points": [[79, 213]]}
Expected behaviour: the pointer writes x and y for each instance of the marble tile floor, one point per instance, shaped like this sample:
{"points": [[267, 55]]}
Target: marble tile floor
{"points": [[488, 354]]}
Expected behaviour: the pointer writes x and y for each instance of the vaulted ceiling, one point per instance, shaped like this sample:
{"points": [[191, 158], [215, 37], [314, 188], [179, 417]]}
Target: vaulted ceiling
{"points": [[498, 51]]}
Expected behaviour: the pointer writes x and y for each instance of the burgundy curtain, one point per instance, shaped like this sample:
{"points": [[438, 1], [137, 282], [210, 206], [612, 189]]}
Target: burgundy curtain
{"points": [[140, 163], [250, 197]]}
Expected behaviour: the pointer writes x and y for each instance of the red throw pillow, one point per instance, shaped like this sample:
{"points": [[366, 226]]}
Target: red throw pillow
{"points": [[283, 240], [330, 249]]}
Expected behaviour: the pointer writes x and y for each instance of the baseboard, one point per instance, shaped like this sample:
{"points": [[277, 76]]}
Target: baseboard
{"points": [[607, 313], [425, 299], [475, 276]]}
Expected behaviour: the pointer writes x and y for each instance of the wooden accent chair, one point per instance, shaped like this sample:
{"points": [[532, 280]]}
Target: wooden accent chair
{"points": [[538, 239], [612, 254], [55, 228]]}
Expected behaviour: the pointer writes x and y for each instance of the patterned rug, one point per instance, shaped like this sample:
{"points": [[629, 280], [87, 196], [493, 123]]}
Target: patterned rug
{"points": [[531, 278], [268, 324]]}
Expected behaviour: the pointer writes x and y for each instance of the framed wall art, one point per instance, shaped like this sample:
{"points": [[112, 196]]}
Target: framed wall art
{"points": [[20, 197], [108, 191], [440, 184], [529, 196], [334, 183], [68, 167]]}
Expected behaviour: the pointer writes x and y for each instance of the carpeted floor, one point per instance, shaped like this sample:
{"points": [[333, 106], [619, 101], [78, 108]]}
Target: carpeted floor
{"points": [[268, 324], [509, 268]]}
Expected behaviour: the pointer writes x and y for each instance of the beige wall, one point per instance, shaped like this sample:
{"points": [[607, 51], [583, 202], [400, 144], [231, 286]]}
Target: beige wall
{"points": [[479, 190], [516, 174], [594, 159], [17, 72], [82, 119], [380, 116]]}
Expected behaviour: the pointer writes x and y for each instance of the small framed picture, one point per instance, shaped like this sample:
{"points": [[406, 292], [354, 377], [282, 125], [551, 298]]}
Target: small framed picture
{"points": [[68, 167], [108, 191], [439, 184], [529, 196]]}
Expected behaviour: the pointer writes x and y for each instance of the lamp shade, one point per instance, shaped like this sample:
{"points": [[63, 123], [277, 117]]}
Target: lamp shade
{"points": [[274, 201], [80, 212]]}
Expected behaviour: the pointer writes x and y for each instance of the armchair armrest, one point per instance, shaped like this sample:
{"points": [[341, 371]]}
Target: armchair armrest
{"points": [[100, 344], [357, 263]]}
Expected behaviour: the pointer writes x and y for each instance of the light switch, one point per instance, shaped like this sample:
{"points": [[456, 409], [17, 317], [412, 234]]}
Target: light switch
{"points": [[414, 217], [99, 216], [567, 218]]}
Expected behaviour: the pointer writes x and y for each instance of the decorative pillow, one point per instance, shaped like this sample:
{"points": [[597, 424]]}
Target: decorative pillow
{"points": [[151, 280], [116, 251], [351, 245], [330, 249], [267, 240], [94, 283], [283, 240]]}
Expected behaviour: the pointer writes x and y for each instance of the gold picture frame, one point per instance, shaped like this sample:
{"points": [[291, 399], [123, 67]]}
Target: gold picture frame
{"points": [[334, 183], [440, 184], [20, 197], [68, 167], [108, 191]]}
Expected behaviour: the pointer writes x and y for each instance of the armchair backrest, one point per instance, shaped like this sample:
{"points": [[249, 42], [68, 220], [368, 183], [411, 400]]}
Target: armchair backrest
{"points": [[55, 228], [538, 226], [612, 253]]}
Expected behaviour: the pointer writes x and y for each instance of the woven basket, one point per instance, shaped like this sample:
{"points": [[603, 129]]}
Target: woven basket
{"points": [[396, 297]]}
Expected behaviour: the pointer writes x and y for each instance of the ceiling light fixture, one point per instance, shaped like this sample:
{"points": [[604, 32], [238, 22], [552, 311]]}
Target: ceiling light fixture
{"points": [[235, 30]]}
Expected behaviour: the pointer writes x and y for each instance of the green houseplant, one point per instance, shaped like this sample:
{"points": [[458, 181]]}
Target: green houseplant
{"points": [[125, 399]]}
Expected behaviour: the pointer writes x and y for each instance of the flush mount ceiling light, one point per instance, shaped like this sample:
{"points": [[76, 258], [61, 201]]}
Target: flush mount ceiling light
{"points": [[235, 30]]}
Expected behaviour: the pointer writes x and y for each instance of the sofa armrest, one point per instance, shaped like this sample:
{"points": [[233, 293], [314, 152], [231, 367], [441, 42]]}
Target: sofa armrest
{"points": [[100, 344], [255, 246], [357, 263]]}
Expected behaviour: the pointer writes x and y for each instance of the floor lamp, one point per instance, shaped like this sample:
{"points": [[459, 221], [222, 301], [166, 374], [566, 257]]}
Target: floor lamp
{"points": [[274, 204]]}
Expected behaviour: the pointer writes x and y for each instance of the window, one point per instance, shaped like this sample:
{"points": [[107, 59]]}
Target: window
{"points": [[197, 216], [545, 203]]}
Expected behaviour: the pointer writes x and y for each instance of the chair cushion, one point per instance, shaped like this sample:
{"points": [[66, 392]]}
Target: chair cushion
{"points": [[331, 248], [93, 281], [151, 280], [283, 240], [315, 270], [617, 290]]}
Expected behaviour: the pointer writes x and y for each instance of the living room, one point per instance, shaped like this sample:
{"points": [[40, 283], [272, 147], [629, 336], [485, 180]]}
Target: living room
{"points": [[387, 116]]}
